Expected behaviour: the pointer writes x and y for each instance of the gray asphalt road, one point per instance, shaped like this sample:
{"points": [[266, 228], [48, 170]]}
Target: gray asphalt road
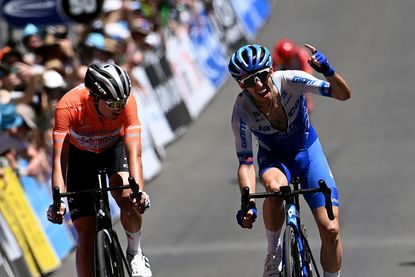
{"points": [[190, 230]]}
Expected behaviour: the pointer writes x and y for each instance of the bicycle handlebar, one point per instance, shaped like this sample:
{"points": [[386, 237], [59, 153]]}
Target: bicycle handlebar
{"points": [[57, 195], [327, 198], [288, 192], [56, 200]]}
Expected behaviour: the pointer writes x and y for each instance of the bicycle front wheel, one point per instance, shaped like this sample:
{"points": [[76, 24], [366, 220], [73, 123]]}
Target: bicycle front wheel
{"points": [[108, 260], [307, 254], [291, 253]]}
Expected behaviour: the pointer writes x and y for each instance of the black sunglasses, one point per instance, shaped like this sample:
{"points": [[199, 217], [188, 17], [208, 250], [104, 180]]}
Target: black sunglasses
{"points": [[251, 80]]}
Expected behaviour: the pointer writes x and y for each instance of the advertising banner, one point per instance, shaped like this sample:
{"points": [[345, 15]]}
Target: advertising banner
{"points": [[40, 198], [151, 112], [167, 92], [227, 25], [209, 51], [151, 163], [12, 255], [252, 14], [195, 88], [18, 13], [16, 209], [38, 12]]}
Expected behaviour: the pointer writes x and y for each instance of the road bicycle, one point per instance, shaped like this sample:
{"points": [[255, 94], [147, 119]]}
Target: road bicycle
{"points": [[297, 257], [108, 255]]}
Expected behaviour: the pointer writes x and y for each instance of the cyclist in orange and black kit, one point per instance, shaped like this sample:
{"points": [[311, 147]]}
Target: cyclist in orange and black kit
{"points": [[97, 126]]}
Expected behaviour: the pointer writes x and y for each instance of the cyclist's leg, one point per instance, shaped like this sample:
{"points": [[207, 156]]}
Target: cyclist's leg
{"points": [[130, 218], [331, 248], [273, 174], [118, 171], [82, 175], [85, 228], [273, 209]]}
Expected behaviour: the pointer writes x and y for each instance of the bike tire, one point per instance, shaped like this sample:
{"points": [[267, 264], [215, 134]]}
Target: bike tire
{"points": [[291, 253], [108, 259], [307, 255]]}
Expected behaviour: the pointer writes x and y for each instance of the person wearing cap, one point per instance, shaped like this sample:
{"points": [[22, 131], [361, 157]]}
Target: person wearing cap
{"points": [[10, 120], [54, 85], [32, 38]]}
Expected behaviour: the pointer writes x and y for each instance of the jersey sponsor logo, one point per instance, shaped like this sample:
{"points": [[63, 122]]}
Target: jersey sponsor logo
{"points": [[94, 142], [242, 132], [302, 80], [100, 89]]}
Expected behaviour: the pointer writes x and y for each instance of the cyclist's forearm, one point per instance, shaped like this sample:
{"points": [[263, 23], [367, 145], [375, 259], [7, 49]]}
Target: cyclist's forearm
{"points": [[246, 177], [133, 150], [57, 171], [339, 87]]}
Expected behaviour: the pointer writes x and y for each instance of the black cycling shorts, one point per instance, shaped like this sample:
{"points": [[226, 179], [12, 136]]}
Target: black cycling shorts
{"points": [[82, 174]]}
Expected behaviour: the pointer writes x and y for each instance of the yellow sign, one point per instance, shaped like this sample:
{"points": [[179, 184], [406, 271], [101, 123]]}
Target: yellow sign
{"points": [[37, 250]]}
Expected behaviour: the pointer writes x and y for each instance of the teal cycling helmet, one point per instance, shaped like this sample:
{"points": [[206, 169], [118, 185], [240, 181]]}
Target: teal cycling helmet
{"points": [[249, 59]]}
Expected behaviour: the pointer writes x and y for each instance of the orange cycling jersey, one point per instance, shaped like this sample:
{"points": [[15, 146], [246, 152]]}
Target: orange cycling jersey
{"points": [[77, 118]]}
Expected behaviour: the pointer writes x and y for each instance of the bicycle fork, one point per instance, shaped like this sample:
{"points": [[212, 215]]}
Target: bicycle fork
{"points": [[292, 219]]}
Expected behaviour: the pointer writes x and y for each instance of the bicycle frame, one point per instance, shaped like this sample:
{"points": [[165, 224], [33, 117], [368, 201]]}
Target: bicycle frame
{"points": [[292, 215], [103, 217], [292, 218]]}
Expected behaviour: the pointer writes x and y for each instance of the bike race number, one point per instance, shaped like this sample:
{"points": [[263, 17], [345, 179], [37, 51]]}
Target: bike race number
{"points": [[81, 11]]}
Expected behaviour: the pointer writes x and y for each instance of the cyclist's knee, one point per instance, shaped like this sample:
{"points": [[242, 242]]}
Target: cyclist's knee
{"points": [[273, 179], [330, 233], [274, 185]]}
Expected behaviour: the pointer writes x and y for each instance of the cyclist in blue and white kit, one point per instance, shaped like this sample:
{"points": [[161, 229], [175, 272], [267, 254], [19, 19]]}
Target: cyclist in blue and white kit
{"points": [[272, 107]]}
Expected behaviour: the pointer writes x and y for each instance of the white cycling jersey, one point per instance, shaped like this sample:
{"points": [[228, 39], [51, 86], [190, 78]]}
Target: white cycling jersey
{"points": [[248, 120]]}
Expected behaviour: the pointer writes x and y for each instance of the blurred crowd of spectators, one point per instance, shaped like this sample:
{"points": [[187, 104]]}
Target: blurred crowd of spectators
{"points": [[43, 62]]}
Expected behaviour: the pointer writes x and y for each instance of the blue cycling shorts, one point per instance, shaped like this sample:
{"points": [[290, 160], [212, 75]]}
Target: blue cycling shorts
{"points": [[309, 164]]}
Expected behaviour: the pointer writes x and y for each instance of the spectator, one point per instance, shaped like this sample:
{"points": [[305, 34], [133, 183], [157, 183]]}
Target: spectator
{"points": [[21, 80], [54, 86], [17, 124], [31, 40]]}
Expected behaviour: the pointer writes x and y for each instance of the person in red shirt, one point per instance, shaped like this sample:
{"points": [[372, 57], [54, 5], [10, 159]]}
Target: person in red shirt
{"points": [[287, 55], [97, 126]]}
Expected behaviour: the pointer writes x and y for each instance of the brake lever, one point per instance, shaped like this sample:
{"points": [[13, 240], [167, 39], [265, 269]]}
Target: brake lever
{"points": [[56, 200], [135, 189]]}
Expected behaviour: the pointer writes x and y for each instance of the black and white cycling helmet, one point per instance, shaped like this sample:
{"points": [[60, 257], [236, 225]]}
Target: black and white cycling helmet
{"points": [[108, 81]]}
